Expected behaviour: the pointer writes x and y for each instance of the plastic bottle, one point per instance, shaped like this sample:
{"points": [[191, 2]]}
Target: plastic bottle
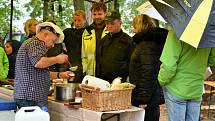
{"points": [[33, 113]]}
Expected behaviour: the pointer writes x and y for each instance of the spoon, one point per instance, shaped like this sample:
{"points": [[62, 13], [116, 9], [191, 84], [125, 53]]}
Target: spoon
{"points": [[73, 68]]}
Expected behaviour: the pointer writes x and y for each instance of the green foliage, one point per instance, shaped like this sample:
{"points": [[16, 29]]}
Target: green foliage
{"points": [[35, 8], [5, 11], [128, 11], [59, 10]]}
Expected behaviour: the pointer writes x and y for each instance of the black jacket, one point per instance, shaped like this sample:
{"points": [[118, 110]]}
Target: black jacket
{"points": [[145, 66], [54, 51], [73, 43], [12, 63], [113, 56], [12, 58]]}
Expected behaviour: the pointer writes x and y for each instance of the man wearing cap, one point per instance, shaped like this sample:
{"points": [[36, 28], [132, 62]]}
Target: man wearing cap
{"points": [[32, 77], [114, 50], [91, 37]]}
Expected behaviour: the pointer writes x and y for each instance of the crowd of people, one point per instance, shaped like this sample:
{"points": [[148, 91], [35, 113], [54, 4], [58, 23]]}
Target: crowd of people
{"points": [[163, 69]]}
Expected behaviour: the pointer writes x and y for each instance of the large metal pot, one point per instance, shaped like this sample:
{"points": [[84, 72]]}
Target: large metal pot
{"points": [[65, 92]]}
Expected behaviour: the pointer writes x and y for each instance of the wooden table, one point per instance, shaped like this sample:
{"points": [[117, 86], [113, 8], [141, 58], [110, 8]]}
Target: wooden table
{"points": [[210, 83], [212, 88]]}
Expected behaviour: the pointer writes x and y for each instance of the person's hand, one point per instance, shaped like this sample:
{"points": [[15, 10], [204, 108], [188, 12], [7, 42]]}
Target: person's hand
{"points": [[57, 81], [62, 58], [67, 75]]}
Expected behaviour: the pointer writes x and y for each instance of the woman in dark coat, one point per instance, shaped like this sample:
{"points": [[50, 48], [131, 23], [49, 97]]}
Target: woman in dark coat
{"points": [[145, 65], [11, 49]]}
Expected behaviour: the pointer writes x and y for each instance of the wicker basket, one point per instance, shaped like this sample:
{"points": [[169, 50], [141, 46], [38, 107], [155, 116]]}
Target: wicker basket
{"points": [[107, 100]]}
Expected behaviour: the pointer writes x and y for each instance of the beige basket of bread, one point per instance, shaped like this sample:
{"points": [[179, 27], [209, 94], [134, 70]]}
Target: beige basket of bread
{"points": [[107, 100]]}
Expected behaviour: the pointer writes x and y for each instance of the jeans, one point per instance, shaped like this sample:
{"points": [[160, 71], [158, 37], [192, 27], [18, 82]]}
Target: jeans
{"points": [[25, 103], [181, 110]]}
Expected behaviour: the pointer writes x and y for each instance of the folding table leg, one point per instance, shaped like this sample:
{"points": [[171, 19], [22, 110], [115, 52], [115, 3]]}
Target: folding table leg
{"points": [[107, 118]]}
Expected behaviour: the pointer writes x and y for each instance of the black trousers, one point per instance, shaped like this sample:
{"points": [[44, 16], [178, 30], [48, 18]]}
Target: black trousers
{"points": [[152, 113]]}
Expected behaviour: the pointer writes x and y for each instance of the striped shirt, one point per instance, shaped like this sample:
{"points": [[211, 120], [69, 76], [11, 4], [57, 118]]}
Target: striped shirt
{"points": [[31, 83]]}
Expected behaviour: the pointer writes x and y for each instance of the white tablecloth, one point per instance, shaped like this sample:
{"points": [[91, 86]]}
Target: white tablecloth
{"points": [[59, 112]]}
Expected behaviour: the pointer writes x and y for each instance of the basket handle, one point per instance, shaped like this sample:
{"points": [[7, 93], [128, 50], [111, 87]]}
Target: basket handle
{"points": [[89, 88]]}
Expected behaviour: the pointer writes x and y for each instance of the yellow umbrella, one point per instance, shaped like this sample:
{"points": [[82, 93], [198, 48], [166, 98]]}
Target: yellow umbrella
{"points": [[192, 20], [195, 29]]}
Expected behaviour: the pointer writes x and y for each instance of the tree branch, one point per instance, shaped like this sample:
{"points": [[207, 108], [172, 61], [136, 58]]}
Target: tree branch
{"points": [[108, 1], [91, 1]]}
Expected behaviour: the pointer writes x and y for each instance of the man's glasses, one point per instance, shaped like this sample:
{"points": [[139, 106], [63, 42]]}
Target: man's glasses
{"points": [[49, 28]]}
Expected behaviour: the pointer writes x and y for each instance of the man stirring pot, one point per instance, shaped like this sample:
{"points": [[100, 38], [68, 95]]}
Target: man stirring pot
{"points": [[32, 77]]}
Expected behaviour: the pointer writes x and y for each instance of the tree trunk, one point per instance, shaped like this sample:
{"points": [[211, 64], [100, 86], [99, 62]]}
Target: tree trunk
{"points": [[45, 10], [11, 19], [116, 5], [78, 4], [88, 6]]}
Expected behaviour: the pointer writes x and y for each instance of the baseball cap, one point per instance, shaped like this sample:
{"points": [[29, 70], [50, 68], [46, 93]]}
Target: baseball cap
{"points": [[52, 28], [112, 16]]}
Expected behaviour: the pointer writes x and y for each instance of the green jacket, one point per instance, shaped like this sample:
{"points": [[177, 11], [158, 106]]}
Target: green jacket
{"points": [[88, 51], [4, 64], [183, 68]]}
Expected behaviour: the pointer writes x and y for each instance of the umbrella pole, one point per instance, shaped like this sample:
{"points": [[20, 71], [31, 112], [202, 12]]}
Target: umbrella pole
{"points": [[11, 19]]}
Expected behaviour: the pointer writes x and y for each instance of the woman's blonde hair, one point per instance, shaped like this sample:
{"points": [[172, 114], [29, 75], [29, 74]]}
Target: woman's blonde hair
{"points": [[80, 13], [27, 25], [143, 23]]}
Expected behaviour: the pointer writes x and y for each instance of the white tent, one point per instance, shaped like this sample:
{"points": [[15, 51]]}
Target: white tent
{"points": [[148, 9]]}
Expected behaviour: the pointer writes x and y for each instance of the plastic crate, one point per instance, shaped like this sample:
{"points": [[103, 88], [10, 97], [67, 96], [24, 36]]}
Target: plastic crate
{"points": [[7, 105]]}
